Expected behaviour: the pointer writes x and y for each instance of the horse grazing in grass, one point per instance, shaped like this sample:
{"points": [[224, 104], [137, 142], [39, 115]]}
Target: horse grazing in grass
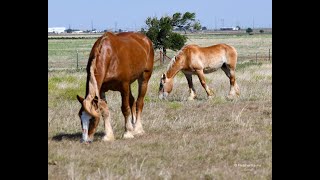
{"points": [[192, 59], [116, 61]]}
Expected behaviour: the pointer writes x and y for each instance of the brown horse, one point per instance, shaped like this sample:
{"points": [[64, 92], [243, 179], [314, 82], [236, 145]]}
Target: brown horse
{"points": [[193, 59], [116, 61]]}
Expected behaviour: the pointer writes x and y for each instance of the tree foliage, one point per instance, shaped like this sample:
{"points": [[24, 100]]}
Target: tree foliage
{"points": [[249, 30], [160, 31]]}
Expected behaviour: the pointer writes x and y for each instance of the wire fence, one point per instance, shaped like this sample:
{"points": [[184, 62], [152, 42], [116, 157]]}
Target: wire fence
{"points": [[77, 59]]}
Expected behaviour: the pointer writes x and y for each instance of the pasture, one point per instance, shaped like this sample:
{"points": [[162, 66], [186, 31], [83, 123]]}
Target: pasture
{"points": [[201, 139]]}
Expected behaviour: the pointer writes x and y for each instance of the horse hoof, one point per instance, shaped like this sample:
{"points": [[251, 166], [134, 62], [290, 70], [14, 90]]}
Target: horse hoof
{"points": [[139, 132], [108, 138], [232, 97], [128, 135], [86, 142]]}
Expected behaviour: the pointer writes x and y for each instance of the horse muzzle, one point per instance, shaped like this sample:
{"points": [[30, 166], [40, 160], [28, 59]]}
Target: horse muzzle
{"points": [[163, 95]]}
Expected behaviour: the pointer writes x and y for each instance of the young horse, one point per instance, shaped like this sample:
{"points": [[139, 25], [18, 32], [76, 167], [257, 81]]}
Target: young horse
{"points": [[114, 63], [193, 59]]}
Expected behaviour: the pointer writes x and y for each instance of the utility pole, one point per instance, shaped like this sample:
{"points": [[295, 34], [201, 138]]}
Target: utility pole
{"points": [[253, 23], [215, 22], [91, 25]]}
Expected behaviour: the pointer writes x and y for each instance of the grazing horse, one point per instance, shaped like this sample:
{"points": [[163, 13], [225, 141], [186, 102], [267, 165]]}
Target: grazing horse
{"points": [[192, 59], [116, 61]]}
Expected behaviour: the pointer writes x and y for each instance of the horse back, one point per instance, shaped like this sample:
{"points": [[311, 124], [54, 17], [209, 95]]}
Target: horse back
{"points": [[211, 57]]}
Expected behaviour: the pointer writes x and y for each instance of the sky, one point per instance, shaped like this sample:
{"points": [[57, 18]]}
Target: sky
{"points": [[131, 14]]}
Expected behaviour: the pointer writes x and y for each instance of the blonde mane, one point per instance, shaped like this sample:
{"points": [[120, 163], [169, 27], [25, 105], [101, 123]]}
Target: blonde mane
{"points": [[173, 60]]}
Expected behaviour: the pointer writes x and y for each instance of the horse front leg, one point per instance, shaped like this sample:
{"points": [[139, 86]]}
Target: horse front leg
{"points": [[126, 111], [132, 107], [108, 135], [143, 86], [192, 91], [202, 80]]}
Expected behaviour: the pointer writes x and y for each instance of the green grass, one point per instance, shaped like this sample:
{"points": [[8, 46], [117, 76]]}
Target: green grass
{"points": [[200, 139], [62, 53]]}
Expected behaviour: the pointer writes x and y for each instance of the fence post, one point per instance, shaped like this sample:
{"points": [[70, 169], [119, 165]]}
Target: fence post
{"points": [[77, 59], [269, 54], [256, 57], [160, 57]]}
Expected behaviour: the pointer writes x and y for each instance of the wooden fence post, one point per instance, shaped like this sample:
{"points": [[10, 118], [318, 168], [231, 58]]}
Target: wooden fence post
{"points": [[269, 54], [77, 59]]}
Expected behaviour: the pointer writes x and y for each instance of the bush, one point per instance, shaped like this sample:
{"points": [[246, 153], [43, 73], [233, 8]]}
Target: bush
{"points": [[249, 30]]}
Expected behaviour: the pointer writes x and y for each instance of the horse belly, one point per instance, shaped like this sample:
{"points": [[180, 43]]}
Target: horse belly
{"points": [[207, 70], [213, 66]]}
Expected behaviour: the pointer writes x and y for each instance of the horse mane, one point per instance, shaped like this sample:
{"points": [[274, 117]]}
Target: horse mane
{"points": [[173, 60], [91, 85]]}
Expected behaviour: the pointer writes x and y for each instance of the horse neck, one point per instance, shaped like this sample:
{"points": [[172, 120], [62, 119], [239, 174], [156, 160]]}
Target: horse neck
{"points": [[173, 69]]}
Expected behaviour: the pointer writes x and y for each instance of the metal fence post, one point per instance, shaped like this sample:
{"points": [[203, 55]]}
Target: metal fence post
{"points": [[77, 59]]}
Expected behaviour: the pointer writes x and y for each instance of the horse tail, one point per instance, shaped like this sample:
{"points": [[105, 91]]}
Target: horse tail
{"points": [[232, 56]]}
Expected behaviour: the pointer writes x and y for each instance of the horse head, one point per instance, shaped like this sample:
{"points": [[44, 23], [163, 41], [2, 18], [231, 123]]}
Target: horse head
{"points": [[165, 87], [88, 114]]}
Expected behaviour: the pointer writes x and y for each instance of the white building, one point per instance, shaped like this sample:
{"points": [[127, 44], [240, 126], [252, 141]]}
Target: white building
{"points": [[56, 30], [229, 28]]}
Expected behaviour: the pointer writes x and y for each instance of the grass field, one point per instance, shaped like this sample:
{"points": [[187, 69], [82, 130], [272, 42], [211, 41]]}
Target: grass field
{"points": [[62, 53], [201, 139]]}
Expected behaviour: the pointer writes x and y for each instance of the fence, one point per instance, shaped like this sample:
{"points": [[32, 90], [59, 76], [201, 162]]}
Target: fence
{"points": [[77, 59]]}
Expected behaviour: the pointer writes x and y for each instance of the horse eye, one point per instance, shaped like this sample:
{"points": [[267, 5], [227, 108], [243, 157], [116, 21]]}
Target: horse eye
{"points": [[161, 86]]}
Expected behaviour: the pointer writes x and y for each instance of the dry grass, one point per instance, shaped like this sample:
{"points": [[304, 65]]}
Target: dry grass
{"points": [[201, 139]]}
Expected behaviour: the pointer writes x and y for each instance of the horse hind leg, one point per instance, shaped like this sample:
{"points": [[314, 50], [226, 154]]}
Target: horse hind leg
{"points": [[234, 88]]}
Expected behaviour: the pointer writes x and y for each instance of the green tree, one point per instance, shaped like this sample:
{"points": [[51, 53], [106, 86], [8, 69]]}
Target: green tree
{"points": [[69, 30], [160, 31]]}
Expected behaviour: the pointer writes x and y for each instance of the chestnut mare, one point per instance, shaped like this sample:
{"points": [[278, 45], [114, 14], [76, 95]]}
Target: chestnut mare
{"points": [[193, 59], [116, 61]]}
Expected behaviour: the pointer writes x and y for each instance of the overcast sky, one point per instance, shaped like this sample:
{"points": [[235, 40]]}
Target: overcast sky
{"points": [[131, 14]]}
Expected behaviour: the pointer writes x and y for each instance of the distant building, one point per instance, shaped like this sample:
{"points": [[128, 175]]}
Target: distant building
{"points": [[229, 28], [77, 32], [56, 30]]}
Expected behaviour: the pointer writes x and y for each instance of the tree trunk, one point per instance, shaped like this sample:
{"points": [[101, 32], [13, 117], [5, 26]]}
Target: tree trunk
{"points": [[185, 31], [164, 54]]}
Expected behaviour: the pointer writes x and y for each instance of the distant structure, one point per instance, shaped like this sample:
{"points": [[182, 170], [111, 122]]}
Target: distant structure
{"points": [[77, 32], [56, 30], [229, 29]]}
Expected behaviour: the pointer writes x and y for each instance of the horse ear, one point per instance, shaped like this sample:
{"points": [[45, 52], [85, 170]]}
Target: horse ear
{"points": [[96, 100], [163, 76], [80, 99]]}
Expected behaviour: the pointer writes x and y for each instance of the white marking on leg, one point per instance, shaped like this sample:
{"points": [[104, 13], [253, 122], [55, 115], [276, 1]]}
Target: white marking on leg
{"points": [[85, 118], [192, 94]]}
